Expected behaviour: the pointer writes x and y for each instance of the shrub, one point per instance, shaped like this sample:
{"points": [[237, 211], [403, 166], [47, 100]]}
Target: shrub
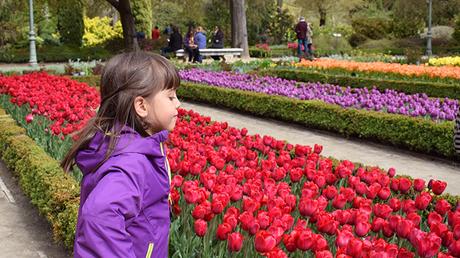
{"points": [[70, 22], [98, 30]]}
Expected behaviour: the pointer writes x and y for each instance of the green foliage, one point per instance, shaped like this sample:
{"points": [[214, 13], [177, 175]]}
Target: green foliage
{"points": [[413, 133], [143, 15], [55, 54], [373, 28], [70, 22], [281, 26], [407, 20], [456, 34], [357, 39], [218, 14], [12, 20]]}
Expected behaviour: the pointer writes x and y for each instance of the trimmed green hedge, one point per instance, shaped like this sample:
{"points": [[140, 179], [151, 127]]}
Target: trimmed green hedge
{"points": [[53, 192], [416, 134], [439, 90], [55, 54]]}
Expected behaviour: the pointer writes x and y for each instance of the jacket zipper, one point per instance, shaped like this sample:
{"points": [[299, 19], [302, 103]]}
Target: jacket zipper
{"points": [[168, 169], [149, 250]]}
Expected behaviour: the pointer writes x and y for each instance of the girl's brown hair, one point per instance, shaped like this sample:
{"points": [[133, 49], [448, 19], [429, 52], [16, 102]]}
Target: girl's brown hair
{"points": [[125, 77]]}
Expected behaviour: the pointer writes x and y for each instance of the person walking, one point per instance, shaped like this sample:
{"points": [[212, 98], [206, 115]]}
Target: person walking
{"points": [[301, 30]]}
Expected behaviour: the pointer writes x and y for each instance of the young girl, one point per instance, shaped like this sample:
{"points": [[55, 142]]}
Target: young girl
{"points": [[124, 207]]}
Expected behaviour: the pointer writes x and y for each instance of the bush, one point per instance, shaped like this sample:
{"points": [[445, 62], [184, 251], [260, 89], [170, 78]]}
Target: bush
{"points": [[357, 39], [456, 34], [55, 54], [371, 27], [70, 22], [98, 30]]}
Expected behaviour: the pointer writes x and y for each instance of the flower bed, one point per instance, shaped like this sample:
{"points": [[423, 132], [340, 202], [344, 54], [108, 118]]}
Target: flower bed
{"points": [[433, 88], [403, 69], [389, 101], [253, 195]]}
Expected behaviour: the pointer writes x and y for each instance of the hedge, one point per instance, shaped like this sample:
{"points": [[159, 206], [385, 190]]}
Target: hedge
{"points": [[55, 54], [416, 134], [432, 89], [53, 192]]}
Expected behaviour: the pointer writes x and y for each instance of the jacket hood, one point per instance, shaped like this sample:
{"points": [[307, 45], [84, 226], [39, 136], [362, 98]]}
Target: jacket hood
{"points": [[129, 141]]}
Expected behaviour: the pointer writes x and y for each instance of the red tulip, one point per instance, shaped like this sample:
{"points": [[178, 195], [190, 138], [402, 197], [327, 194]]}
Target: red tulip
{"points": [[305, 240], [223, 230], [200, 227], [434, 217], [343, 238], [404, 228], [395, 204], [318, 149], [354, 247], [382, 210], [235, 242], [29, 118], [308, 207], [384, 193], [404, 185], [290, 241], [422, 200], [264, 241], [324, 254], [362, 228], [391, 172], [404, 253], [438, 186], [419, 184], [442, 206]]}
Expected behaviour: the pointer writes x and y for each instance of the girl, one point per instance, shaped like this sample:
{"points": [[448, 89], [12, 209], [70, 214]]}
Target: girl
{"points": [[124, 207]]}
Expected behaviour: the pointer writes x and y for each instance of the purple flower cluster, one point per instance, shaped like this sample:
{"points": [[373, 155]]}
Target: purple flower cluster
{"points": [[390, 101]]}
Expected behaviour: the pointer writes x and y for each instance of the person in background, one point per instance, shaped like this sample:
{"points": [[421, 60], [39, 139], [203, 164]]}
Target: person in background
{"points": [[155, 33], [200, 42], [189, 43], [174, 42], [217, 40], [302, 41]]}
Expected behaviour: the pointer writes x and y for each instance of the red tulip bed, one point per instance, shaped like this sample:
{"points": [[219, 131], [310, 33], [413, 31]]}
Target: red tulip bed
{"points": [[244, 195]]}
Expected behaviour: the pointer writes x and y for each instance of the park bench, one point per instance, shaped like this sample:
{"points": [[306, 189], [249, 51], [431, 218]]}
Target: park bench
{"points": [[214, 52]]}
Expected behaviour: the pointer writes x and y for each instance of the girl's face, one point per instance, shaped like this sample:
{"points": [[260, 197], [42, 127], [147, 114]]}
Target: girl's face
{"points": [[159, 111]]}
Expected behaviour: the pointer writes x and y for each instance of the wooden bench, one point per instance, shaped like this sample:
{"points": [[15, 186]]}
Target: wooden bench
{"points": [[214, 52]]}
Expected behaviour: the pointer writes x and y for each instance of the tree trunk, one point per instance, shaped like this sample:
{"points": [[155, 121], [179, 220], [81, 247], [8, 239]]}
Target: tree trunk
{"points": [[322, 16], [127, 23], [239, 28], [280, 6]]}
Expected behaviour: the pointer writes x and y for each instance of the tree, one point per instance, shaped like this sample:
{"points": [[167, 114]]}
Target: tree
{"points": [[239, 28], [70, 22], [127, 22], [142, 11], [324, 7]]}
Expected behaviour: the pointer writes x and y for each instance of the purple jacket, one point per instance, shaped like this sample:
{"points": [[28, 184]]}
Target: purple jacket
{"points": [[124, 209]]}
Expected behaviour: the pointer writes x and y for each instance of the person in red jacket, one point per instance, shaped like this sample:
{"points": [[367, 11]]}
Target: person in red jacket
{"points": [[156, 33], [301, 30]]}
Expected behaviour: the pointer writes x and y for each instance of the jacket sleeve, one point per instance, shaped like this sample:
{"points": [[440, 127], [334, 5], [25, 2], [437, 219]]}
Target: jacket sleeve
{"points": [[116, 198]]}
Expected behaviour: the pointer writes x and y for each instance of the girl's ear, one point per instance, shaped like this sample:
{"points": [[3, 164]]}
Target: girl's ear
{"points": [[140, 105]]}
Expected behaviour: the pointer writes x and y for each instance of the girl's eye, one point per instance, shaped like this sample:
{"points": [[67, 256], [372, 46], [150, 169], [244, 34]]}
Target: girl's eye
{"points": [[172, 98]]}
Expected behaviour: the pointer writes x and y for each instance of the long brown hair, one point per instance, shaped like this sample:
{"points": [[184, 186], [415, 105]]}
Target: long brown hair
{"points": [[125, 77]]}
